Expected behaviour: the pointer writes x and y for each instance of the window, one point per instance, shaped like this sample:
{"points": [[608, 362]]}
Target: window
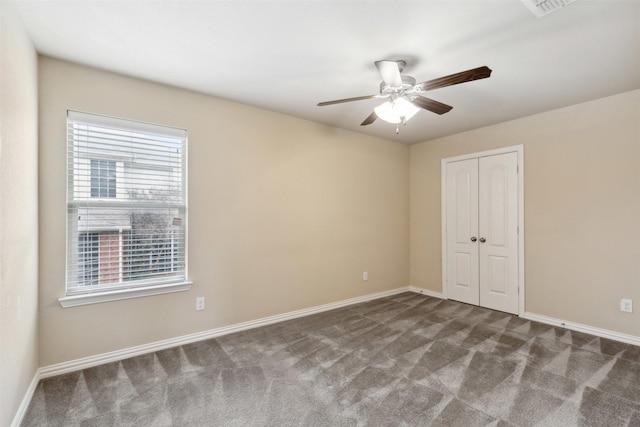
{"points": [[103, 178], [126, 207]]}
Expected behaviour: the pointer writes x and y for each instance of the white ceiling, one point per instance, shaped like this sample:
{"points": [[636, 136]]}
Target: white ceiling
{"points": [[286, 56]]}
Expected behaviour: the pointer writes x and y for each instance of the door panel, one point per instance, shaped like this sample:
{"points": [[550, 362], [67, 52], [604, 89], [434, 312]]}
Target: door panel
{"points": [[462, 276], [462, 224], [498, 226], [497, 275]]}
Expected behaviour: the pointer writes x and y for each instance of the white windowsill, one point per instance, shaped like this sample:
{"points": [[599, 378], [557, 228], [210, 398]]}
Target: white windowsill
{"points": [[118, 294]]}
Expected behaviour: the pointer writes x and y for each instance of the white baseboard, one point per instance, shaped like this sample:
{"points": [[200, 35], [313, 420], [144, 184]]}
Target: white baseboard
{"points": [[578, 327], [426, 292], [604, 333], [88, 362], [26, 400]]}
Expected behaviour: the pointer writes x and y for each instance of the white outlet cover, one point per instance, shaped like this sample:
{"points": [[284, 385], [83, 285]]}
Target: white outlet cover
{"points": [[626, 305]]}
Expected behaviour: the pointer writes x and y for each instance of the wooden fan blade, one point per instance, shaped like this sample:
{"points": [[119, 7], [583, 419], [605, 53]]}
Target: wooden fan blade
{"points": [[340, 101], [431, 105], [390, 72], [457, 78], [372, 118]]}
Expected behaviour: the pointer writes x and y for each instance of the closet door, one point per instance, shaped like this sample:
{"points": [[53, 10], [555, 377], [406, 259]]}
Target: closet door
{"points": [[462, 231], [482, 231], [498, 232]]}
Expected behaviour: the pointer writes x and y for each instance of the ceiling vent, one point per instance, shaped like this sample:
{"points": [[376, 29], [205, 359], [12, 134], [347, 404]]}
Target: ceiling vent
{"points": [[542, 8]]}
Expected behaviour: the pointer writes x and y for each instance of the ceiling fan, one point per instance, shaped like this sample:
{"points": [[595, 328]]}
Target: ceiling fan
{"points": [[402, 94]]}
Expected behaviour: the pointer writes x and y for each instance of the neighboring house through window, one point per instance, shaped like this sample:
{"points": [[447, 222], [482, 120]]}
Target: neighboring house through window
{"points": [[126, 204]]}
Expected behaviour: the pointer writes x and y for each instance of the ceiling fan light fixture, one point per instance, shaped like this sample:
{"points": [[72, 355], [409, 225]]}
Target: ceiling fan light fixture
{"points": [[405, 108], [386, 113], [396, 111]]}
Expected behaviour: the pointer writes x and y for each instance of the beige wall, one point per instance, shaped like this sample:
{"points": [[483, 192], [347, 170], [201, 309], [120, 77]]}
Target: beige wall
{"points": [[18, 213], [284, 214], [582, 208]]}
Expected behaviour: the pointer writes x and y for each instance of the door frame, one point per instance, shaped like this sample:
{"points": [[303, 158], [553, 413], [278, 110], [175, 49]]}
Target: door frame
{"points": [[519, 149]]}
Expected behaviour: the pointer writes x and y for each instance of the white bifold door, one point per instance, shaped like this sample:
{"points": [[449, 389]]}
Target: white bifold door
{"points": [[481, 196]]}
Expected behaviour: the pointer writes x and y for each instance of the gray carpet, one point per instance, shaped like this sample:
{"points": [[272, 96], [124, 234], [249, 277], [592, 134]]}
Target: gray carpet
{"points": [[405, 360]]}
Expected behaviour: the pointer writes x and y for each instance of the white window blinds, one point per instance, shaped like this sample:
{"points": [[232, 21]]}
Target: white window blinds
{"points": [[126, 204]]}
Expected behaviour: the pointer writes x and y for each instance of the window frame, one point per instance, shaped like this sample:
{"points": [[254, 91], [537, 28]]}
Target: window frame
{"points": [[121, 290]]}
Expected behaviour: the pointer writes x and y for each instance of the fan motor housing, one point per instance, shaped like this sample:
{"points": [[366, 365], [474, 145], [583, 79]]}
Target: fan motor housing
{"points": [[407, 83]]}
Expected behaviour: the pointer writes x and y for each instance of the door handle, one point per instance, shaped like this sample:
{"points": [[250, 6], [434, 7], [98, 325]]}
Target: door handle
{"points": [[482, 240], [473, 239]]}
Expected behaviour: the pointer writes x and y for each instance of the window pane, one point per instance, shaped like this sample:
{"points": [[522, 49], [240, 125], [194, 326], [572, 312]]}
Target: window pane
{"points": [[153, 246]]}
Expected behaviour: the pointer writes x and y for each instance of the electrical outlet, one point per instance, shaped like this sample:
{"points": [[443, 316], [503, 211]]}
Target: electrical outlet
{"points": [[199, 303], [365, 276], [626, 305]]}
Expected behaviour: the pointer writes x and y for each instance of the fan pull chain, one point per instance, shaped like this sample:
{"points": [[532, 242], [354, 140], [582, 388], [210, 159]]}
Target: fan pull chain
{"points": [[404, 123]]}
